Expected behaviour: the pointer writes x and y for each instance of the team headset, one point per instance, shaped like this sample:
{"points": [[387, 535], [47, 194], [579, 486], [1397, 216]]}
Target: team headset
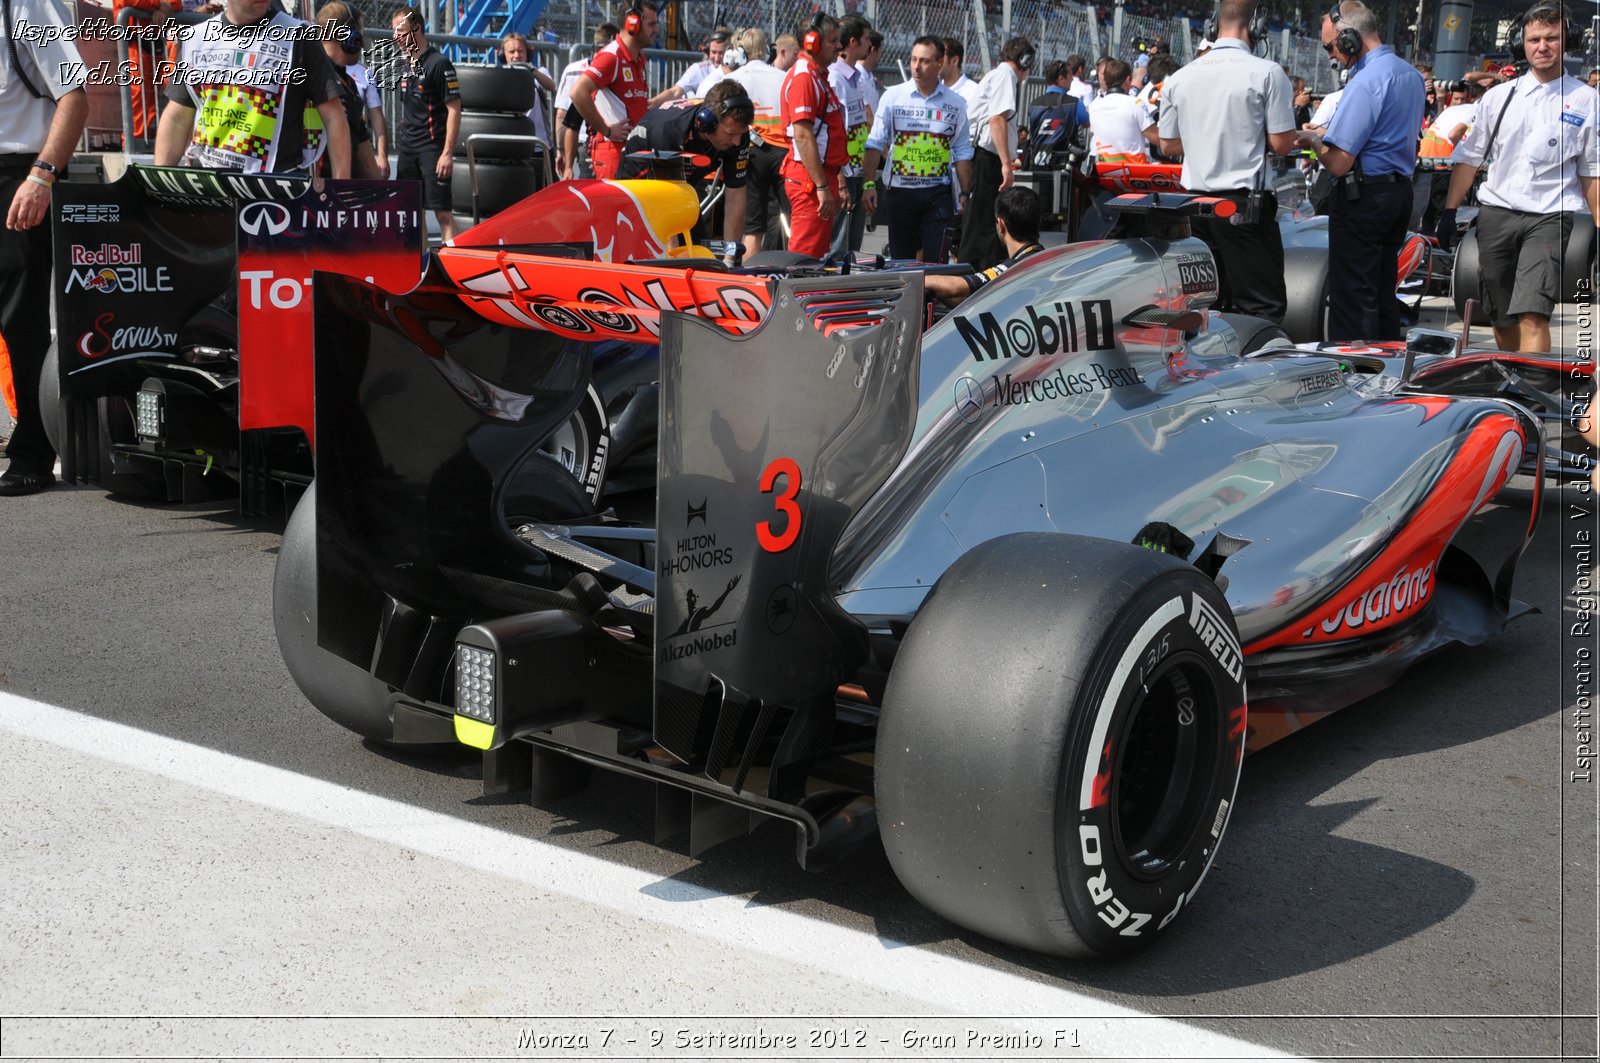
{"points": [[349, 37], [633, 21], [708, 117], [1257, 30], [1347, 42], [813, 35], [1569, 29]]}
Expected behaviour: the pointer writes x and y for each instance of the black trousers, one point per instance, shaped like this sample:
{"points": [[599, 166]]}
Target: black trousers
{"points": [[1364, 240], [25, 277], [980, 244], [764, 199], [918, 221], [1249, 261]]}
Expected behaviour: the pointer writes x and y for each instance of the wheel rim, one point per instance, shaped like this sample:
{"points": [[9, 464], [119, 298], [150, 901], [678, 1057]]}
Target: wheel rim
{"points": [[569, 446], [1164, 774]]}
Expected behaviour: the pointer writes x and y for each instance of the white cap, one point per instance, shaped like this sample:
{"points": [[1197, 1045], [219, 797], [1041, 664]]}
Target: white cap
{"points": [[1202, 46]]}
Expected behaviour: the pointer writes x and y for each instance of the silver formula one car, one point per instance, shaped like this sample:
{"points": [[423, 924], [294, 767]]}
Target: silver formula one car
{"points": [[1015, 591]]}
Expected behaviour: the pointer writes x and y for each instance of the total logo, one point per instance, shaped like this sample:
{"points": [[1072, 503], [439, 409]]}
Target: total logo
{"points": [[285, 293], [125, 279]]}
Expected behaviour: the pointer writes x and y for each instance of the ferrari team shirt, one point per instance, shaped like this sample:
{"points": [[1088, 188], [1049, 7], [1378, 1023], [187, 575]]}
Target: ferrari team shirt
{"points": [[807, 97], [1544, 144], [619, 70], [920, 136]]}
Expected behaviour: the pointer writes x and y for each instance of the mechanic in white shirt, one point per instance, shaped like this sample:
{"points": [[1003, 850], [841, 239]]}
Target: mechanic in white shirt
{"points": [[846, 80], [1077, 67], [1536, 134], [1122, 129], [569, 164], [1322, 117], [1439, 142], [514, 50], [872, 88], [955, 78], [689, 86], [994, 163]]}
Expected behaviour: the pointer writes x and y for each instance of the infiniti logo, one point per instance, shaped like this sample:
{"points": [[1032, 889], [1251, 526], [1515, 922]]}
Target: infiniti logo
{"points": [[273, 217]]}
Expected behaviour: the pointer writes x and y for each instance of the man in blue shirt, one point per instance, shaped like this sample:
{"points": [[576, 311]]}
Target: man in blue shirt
{"points": [[1371, 147]]}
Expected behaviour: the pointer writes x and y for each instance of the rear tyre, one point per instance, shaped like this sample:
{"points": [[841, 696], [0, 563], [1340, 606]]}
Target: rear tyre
{"points": [[496, 88], [474, 123], [1305, 275], [349, 696], [1578, 265], [499, 186], [1464, 281], [1069, 794], [1254, 332], [115, 423], [50, 410]]}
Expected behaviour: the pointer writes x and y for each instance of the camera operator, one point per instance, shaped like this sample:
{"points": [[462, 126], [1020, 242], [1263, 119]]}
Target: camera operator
{"points": [[1539, 129], [1371, 151], [1221, 113]]}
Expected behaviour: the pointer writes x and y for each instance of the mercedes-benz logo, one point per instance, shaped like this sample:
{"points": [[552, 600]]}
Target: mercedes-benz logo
{"points": [[969, 399], [273, 217]]}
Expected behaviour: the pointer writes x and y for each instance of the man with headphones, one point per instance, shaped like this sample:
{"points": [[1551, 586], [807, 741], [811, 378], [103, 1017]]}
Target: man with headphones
{"points": [[994, 160], [610, 94], [815, 122], [1221, 113], [1371, 151], [1540, 132], [713, 134], [692, 84]]}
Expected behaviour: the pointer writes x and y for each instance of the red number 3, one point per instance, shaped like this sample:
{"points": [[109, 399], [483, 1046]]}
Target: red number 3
{"points": [[777, 542]]}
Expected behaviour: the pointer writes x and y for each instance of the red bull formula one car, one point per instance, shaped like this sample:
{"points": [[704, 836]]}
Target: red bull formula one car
{"points": [[1014, 590]]}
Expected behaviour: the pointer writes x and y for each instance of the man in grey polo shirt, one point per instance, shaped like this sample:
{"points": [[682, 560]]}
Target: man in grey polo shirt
{"points": [[1221, 112]]}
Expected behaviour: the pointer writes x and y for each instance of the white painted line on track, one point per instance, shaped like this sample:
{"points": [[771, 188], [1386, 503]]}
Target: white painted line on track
{"points": [[945, 983]]}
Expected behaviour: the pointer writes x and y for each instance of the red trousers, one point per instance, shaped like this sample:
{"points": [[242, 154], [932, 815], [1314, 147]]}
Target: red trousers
{"points": [[809, 233], [606, 157]]}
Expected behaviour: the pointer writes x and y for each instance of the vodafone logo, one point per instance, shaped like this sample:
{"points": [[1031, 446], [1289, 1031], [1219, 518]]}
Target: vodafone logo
{"points": [[256, 217]]}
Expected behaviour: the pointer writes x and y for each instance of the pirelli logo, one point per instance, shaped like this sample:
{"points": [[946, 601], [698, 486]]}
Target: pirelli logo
{"points": [[1217, 635]]}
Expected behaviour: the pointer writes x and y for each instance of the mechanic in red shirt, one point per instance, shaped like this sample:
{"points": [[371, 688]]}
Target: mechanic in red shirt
{"points": [[611, 94], [815, 122]]}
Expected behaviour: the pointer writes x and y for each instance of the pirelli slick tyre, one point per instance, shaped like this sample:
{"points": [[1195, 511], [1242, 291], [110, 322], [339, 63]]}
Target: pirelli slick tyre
{"points": [[499, 186], [1464, 281], [582, 446], [1578, 264], [475, 123], [50, 411], [496, 88], [1068, 792], [1254, 332], [114, 424], [1305, 276], [348, 695]]}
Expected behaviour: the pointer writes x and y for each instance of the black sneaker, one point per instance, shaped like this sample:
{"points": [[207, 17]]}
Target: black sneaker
{"points": [[25, 483]]}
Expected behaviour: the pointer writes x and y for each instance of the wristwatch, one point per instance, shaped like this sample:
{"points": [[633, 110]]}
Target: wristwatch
{"points": [[49, 168]]}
